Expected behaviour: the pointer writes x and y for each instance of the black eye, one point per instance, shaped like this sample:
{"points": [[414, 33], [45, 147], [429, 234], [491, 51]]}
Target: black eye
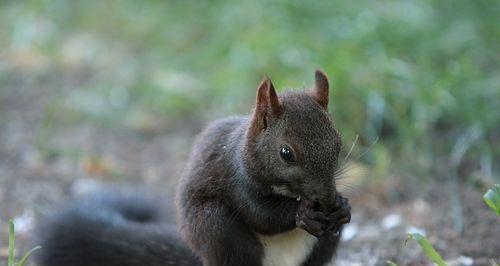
{"points": [[287, 154]]}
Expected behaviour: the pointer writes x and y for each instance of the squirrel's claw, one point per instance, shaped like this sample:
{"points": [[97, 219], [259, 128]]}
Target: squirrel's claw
{"points": [[341, 216], [318, 223]]}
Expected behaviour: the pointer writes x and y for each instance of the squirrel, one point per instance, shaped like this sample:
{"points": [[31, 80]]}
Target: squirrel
{"points": [[258, 190]]}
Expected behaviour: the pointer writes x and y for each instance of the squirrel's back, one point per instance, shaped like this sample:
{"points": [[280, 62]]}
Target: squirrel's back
{"points": [[213, 156]]}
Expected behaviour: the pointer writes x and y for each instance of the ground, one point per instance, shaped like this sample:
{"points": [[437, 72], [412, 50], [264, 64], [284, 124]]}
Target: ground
{"points": [[42, 164]]}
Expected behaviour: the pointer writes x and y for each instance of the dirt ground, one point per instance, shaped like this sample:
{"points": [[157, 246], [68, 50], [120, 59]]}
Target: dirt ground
{"points": [[34, 181]]}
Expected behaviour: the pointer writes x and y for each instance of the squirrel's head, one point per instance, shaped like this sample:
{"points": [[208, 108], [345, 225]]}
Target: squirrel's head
{"points": [[291, 143]]}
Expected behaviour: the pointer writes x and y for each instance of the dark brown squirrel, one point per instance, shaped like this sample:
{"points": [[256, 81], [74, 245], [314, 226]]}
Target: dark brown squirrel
{"points": [[257, 191]]}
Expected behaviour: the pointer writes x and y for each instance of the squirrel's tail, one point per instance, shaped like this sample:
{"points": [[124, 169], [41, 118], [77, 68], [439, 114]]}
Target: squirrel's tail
{"points": [[111, 230]]}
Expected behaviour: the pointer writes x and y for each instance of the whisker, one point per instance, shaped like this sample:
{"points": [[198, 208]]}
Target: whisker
{"points": [[346, 166], [368, 149], [363, 154], [344, 169], [347, 174], [352, 148], [352, 189]]}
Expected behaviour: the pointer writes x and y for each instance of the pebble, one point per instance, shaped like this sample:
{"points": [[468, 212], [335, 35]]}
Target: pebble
{"points": [[349, 232], [24, 223], [460, 261], [391, 221]]}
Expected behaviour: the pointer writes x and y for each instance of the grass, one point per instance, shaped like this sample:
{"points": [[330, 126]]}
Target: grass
{"points": [[423, 77], [492, 198], [11, 260], [417, 74], [427, 248]]}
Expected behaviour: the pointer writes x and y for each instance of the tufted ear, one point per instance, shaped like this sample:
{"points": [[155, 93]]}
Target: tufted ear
{"points": [[267, 106], [320, 89]]}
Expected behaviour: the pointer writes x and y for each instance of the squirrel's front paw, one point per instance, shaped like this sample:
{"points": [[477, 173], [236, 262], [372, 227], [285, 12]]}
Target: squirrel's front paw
{"points": [[314, 222], [339, 216], [319, 224]]}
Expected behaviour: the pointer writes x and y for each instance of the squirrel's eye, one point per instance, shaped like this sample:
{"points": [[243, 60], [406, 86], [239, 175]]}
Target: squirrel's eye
{"points": [[287, 154]]}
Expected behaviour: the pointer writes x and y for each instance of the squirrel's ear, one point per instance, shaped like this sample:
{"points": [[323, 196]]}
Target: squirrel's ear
{"points": [[274, 102], [267, 105], [320, 90]]}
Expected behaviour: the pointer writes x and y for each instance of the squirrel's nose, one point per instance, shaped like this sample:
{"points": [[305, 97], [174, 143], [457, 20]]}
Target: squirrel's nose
{"points": [[323, 196]]}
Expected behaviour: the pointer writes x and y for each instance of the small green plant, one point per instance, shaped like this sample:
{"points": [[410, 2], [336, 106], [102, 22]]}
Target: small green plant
{"points": [[492, 198], [11, 260], [427, 248]]}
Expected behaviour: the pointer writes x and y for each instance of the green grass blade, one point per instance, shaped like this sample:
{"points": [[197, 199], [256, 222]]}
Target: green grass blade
{"points": [[492, 198], [427, 248], [25, 257], [390, 263], [10, 259]]}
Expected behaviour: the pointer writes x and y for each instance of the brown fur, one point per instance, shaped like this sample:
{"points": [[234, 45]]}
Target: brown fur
{"points": [[237, 200], [226, 197]]}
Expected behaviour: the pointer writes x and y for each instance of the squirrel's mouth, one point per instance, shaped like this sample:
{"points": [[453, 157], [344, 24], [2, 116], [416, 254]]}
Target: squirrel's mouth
{"points": [[284, 190]]}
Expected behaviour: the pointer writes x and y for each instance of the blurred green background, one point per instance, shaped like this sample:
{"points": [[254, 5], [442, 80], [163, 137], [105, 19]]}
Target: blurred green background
{"points": [[119, 89], [422, 76]]}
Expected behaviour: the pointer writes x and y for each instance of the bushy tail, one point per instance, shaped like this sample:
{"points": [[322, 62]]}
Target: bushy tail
{"points": [[111, 230]]}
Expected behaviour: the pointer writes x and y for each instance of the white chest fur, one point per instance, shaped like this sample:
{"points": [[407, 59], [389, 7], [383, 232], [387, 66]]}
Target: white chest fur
{"points": [[288, 249]]}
